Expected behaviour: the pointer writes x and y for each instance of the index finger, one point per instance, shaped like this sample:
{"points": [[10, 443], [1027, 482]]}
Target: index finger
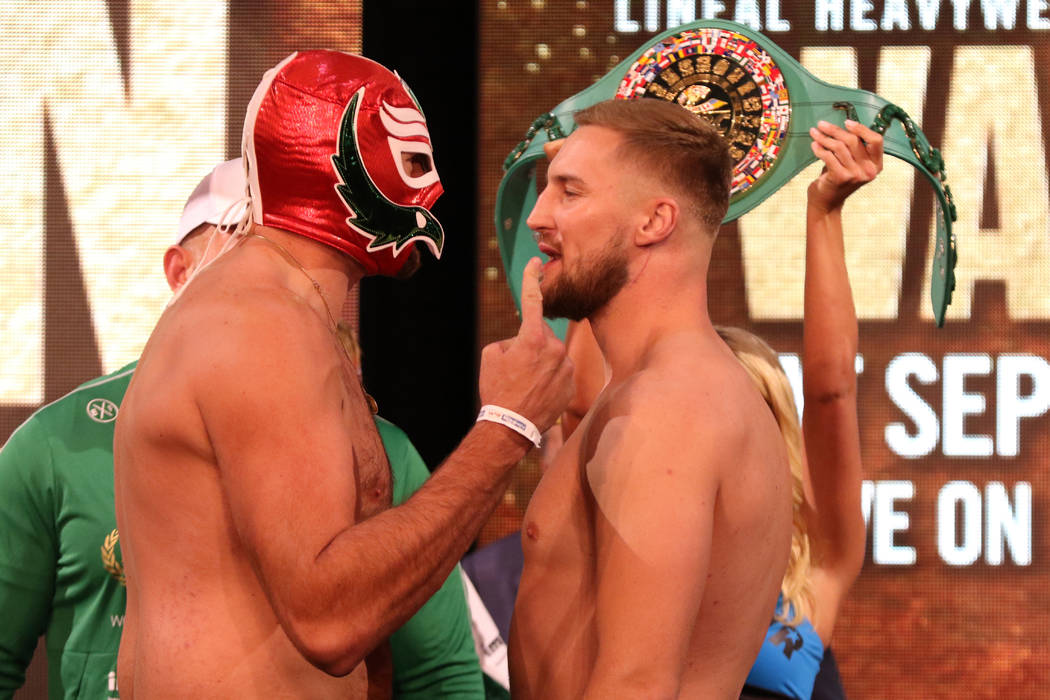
{"points": [[531, 296]]}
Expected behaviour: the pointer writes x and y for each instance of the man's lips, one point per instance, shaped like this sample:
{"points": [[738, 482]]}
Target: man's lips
{"points": [[549, 251]]}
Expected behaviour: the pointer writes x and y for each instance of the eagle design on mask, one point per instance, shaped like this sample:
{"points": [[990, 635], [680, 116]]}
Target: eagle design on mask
{"points": [[372, 214]]}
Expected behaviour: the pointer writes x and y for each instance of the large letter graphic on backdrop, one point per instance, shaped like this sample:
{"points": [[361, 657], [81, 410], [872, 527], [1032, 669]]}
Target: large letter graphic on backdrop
{"points": [[129, 156], [1009, 126], [875, 221]]}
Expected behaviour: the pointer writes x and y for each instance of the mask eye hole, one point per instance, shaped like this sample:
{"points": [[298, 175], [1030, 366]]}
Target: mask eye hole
{"points": [[416, 164]]}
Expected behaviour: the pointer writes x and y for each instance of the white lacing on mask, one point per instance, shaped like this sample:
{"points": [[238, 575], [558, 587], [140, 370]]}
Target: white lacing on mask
{"points": [[237, 228]]}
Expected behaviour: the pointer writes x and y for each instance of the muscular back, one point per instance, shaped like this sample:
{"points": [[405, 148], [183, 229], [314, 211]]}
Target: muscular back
{"points": [[656, 541], [244, 444]]}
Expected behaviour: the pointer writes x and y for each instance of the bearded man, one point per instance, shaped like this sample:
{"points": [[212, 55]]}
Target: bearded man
{"points": [[656, 541]]}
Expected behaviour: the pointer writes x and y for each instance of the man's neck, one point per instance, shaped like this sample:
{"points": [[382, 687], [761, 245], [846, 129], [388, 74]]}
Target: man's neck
{"points": [[663, 301], [332, 273]]}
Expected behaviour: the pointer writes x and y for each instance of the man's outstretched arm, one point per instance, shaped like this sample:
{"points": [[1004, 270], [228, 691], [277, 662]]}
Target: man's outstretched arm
{"points": [[289, 465]]}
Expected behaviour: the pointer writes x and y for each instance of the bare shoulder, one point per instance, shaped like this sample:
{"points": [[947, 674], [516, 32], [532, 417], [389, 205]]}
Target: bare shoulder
{"points": [[240, 353], [699, 393], [232, 328], [691, 416]]}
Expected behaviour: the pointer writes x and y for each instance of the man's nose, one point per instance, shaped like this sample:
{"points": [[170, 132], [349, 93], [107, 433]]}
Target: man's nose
{"points": [[539, 217]]}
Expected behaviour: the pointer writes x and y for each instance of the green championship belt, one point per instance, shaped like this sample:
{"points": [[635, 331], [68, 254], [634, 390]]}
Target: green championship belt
{"points": [[761, 100]]}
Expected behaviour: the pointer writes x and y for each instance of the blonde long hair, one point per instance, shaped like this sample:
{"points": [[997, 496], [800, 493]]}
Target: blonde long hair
{"points": [[763, 366]]}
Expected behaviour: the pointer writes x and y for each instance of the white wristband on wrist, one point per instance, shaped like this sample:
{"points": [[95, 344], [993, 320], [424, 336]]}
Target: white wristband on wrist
{"points": [[516, 422]]}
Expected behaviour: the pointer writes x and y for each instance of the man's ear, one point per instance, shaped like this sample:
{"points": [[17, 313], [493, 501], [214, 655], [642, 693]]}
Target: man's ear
{"points": [[663, 218], [177, 263]]}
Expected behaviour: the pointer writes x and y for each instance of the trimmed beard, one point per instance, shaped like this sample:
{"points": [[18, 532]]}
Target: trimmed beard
{"points": [[585, 291]]}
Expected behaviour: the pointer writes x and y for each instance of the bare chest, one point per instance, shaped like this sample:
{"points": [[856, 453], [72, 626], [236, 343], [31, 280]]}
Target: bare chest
{"points": [[557, 529], [371, 467], [553, 635]]}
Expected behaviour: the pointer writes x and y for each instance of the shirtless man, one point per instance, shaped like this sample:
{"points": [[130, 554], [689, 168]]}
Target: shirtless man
{"points": [[656, 541], [252, 491]]}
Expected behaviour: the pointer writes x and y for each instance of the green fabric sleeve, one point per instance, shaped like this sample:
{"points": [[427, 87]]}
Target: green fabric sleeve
{"points": [[433, 652], [28, 550]]}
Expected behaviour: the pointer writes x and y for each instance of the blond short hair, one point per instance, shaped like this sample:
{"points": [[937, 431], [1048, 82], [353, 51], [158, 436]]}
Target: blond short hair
{"points": [[683, 150]]}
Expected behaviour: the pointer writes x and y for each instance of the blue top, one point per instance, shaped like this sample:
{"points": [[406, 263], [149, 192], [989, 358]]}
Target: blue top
{"points": [[789, 659]]}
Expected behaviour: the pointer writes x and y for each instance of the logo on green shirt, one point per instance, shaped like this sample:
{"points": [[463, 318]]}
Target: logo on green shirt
{"points": [[111, 559], [102, 410]]}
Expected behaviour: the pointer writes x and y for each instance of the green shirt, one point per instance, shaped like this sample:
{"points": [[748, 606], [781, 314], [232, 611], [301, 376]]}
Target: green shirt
{"points": [[60, 565], [433, 652]]}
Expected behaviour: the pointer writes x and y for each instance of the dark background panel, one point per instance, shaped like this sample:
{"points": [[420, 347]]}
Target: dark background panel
{"points": [[418, 335]]}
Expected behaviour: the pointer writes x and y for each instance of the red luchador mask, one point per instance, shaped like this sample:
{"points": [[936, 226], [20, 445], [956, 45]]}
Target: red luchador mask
{"points": [[337, 149]]}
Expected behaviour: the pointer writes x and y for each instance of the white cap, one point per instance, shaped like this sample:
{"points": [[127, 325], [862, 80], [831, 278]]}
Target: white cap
{"points": [[220, 189]]}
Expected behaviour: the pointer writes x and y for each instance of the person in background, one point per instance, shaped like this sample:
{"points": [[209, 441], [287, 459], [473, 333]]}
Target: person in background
{"points": [[827, 549]]}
